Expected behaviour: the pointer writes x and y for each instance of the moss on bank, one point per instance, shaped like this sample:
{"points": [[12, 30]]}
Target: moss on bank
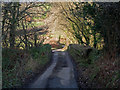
{"points": [[17, 65], [94, 70]]}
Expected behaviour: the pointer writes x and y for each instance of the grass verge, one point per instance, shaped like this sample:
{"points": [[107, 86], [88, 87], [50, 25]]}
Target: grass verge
{"points": [[94, 70], [17, 65]]}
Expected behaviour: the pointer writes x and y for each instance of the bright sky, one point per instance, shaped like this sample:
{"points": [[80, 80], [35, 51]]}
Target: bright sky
{"points": [[22, 0]]}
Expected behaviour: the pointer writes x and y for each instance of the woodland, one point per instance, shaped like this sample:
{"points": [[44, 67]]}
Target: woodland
{"points": [[89, 31]]}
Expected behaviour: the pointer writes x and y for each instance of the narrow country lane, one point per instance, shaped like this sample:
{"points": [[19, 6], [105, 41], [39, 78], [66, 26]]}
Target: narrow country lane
{"points": [[59, 75]]}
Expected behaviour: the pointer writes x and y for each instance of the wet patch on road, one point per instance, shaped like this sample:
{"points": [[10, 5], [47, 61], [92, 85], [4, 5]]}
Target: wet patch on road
{"points": [[62, 76], [59, 75]]}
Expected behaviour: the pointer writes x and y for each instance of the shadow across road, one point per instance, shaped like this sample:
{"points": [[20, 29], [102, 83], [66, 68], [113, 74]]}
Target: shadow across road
{"points": [[60, 74]]}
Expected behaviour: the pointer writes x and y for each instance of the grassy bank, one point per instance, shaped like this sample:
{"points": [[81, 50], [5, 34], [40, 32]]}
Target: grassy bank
{"points": [[20, 64], [94, 70]]}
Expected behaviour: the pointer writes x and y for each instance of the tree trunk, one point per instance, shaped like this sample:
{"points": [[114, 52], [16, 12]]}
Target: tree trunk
{"points": [[12, 36], [35, 39]]}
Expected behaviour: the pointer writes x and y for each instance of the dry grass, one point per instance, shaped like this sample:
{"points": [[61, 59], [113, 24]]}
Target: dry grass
{"points": [[102, 72], [19, 64]]}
